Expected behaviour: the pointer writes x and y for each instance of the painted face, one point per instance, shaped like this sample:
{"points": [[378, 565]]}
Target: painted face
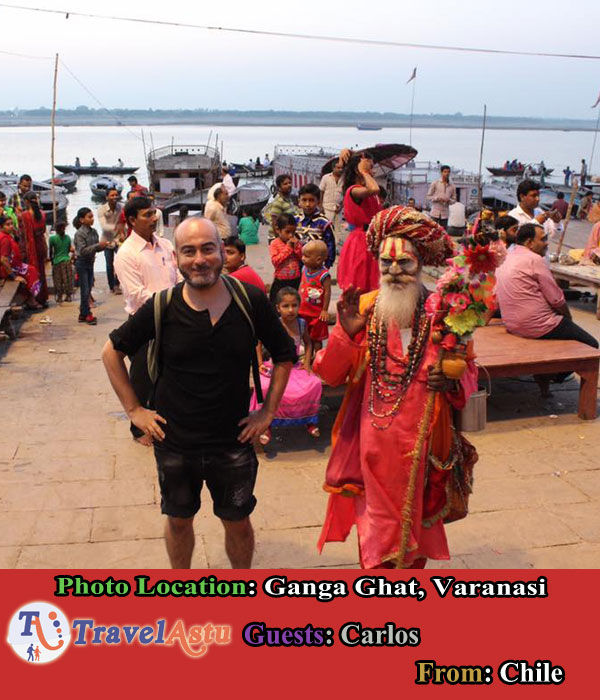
{"points": [[397, 262]]}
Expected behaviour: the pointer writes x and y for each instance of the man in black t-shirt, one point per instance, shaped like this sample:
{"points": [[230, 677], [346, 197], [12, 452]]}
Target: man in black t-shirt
{"points": [[201, 428]]}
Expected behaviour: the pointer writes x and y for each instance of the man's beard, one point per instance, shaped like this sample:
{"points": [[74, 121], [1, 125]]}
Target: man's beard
{"points": [[203, 278], [397, 303]]}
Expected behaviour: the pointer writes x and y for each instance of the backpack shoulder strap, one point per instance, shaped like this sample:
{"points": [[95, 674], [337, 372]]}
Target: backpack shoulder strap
{"points": [[241, 298], [161, 301]]}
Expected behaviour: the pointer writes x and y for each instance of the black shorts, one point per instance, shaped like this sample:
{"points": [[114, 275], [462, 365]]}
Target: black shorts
{"points": [[229, 472]]}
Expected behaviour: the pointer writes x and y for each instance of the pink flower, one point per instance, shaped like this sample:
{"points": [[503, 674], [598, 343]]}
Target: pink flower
{"points": [[458, 302]]}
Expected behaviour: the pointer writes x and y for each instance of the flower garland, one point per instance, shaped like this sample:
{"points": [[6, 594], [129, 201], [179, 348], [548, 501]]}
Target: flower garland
{"points": [[465, 292]]}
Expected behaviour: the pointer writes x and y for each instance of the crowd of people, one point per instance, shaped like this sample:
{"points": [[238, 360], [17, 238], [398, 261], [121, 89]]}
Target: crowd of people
{"points": [[200, 318]]}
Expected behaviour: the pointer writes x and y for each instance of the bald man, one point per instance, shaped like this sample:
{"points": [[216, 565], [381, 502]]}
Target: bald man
{"points": [[202, 429]]}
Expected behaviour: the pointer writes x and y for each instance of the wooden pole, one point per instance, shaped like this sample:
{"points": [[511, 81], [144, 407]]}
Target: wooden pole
{"points": [[147, 163], [412, 109], [594, 142], [574, 189], [481, 157], [52, 123]]}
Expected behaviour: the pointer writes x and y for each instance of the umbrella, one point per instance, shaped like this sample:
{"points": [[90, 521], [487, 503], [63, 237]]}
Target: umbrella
{"points": [[387, 157]]}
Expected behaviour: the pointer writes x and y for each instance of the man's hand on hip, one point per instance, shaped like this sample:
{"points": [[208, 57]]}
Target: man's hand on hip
{"points": [[255, 425], [147, 420]]}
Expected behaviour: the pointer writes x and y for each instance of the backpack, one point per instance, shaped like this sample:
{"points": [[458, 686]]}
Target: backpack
{"points": [[240, 296]]}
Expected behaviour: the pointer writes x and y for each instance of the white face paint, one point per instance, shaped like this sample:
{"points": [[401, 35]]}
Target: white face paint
{"points": [[400, 282]]}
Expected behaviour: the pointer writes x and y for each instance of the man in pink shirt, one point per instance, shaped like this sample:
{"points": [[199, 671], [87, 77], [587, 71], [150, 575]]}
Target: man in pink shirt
{"points": [[144, 265], [531, 303]]}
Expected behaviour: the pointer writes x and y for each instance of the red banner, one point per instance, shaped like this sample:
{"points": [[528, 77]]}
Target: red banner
{"points": [[325, 632]]}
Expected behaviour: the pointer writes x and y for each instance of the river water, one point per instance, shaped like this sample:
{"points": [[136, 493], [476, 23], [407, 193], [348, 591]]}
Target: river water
{"points": [[27, 149]]}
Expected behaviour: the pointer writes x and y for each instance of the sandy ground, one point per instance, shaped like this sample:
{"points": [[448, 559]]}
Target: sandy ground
{"points": [[77, 492]]}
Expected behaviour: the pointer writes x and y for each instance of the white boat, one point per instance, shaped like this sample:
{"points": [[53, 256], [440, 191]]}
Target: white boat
{"points": [[101, 185]]}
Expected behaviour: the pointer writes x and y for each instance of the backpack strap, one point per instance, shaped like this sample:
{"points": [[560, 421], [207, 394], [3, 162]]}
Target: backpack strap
{"points": [[241, 298], [161, 301]]}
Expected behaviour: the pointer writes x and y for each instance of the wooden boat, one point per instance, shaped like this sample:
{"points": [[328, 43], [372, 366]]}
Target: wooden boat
{"points": [[101, 185], [251, 195], [45, 197], [177, 170], [503, 172], [245, 171], [68, 181], [98, 170]]}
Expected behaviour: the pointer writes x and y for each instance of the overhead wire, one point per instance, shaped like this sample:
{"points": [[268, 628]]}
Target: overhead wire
{"points": [[97, 100], [310, 37]]}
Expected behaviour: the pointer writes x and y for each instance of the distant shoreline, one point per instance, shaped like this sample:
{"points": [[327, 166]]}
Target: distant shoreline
{"points": [[315, 120], [291, 124]]}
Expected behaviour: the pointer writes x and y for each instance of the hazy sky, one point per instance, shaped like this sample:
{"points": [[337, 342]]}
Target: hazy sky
{"points": [[134, 65]]}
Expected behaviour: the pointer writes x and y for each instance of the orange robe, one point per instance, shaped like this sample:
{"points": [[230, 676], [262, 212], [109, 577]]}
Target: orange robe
{"points": [[379, 480]]}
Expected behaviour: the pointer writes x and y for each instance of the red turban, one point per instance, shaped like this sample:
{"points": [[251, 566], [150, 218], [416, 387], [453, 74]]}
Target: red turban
{"points": [[432, 243]]}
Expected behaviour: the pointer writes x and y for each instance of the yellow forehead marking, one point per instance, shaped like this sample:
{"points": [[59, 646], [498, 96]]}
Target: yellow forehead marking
{"points": [[394, 248]]}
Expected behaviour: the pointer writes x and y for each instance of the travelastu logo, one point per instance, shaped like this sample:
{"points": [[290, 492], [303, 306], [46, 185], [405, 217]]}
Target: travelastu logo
{"points": [[39, 632]]}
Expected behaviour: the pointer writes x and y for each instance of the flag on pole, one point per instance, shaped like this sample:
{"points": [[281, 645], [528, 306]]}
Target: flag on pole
{"points": [[414, 75]]}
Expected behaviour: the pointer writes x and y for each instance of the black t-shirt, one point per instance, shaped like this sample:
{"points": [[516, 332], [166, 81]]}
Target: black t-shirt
{"points": [[203, 386]]}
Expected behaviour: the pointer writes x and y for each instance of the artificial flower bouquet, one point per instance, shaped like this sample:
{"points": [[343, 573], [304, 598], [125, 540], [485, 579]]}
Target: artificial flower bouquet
{"points": [[464, 297]]}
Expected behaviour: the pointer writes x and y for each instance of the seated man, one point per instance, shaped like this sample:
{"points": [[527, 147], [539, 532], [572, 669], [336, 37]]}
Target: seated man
{"points": [[532, 304], [236, 265]]}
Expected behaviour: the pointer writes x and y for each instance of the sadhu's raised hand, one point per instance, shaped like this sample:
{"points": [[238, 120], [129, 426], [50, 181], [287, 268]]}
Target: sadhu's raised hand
{"points": [[351, 320]]}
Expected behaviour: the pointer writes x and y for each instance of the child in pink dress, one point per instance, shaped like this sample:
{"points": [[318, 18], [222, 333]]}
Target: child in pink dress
{"points": [[302, 397]]}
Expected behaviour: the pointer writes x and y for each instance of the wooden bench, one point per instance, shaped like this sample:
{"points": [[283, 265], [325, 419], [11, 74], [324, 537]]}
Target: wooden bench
{"points": [[588, 275], [8, 292], [506, 355]]}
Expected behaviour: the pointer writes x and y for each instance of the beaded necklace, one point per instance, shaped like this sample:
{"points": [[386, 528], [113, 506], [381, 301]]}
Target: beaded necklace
{"points": [[390, 387]]}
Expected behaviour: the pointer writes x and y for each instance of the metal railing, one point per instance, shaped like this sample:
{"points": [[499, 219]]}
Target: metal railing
{"points": [[180, 150]]}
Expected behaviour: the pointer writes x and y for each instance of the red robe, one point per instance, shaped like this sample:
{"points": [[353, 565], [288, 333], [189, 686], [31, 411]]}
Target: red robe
{"points": [[379, 479]]}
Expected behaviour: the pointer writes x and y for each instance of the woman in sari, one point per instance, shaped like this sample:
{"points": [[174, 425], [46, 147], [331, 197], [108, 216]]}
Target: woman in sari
{"points": [[33, 221], [12, 265], [357, 266]]}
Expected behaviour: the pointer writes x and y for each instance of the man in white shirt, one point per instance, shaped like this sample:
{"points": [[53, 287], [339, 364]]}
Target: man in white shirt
{"points": [[215, 210], [228, 182], [528, 210], [332, 194], [145, 264], [457, 221], [441, 194]]}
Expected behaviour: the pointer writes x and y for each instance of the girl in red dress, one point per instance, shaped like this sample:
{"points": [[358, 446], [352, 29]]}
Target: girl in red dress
{"points": [[357, 266]]}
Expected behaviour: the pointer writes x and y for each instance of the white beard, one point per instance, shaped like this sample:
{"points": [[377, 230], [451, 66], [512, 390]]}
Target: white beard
{"points": [[397, 304]]}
